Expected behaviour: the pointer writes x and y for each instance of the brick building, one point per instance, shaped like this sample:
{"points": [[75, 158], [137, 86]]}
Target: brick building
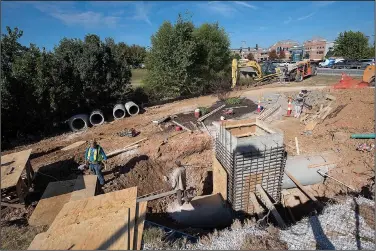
{"points": [[284, 46], [316, 48]]}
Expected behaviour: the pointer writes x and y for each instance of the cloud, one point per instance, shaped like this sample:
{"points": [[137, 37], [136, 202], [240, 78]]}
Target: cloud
{"points": [[287, 21], [246, 5], [305, 17], [142, 12], [220, 8], [69, 15]]}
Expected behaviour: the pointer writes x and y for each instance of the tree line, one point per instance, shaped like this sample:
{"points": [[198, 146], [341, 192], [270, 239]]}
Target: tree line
{"points": [[40, 89]]}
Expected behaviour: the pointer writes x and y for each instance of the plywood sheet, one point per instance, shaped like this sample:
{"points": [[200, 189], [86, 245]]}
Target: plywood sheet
{"points": [[52, 201], [74, 145], [219, 178], [78, 211], [139, 229], [85, 187], [17, 161], [106, 232]]}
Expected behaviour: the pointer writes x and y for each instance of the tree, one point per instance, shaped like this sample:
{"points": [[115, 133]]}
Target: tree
{"points": [[185, 60], [351, 45], [282, 55], [330, 53], [273, 55], [250, 56], [236, 56]]}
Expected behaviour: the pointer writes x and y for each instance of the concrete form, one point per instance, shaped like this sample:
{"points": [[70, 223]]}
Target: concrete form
{"points": [[252, 153], [79, 122]]}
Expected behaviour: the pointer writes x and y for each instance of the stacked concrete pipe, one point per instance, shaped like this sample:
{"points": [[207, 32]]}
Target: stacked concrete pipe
{"points": [[132, 108], [96, 118], [78, 122], [119, 111]]}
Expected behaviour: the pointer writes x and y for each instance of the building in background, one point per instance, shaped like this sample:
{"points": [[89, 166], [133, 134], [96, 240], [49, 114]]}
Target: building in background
{"points": [[284, 46], [315, 48]]}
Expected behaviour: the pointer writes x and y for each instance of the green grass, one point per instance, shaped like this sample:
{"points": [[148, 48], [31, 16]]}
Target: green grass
{"points": [[204, 110], [233, 101], [138, 76]]}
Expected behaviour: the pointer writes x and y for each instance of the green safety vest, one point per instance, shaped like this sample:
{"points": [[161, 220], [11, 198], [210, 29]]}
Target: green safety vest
{"points": [[96, 153]]}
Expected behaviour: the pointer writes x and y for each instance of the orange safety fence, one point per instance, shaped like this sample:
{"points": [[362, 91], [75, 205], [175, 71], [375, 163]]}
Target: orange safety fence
{"points": [[348, 82]]}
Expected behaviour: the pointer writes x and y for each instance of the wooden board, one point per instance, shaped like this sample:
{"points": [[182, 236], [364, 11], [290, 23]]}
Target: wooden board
{"points": [[74, 145], [85, 187], [139, 229], [53, 199], [78, 211], [17, 161], [106, 232], [219, 179]]}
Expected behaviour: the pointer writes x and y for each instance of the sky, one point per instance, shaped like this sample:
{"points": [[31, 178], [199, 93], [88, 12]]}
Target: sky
{"points": [[247, 22]]}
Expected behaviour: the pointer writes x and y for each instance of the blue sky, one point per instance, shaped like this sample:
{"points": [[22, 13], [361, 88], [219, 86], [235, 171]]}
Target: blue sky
{"points": [[133, 22]]}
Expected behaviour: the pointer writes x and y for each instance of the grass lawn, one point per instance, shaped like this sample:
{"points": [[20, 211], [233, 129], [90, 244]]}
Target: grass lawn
{"points": [[137, 76]]}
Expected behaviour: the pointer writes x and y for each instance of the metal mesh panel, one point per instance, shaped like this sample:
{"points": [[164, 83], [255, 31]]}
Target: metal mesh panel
{"points": [[247, 169]]}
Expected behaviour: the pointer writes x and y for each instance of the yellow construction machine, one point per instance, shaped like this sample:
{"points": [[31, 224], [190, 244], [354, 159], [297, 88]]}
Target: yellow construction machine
{"points": [[369, 75], [251, 69]]}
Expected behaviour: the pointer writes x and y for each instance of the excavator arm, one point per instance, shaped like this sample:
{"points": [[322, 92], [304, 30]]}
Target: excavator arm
{"points": [[237, 66]]}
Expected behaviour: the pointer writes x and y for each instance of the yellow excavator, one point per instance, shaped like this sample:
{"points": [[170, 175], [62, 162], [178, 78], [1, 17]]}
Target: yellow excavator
{"points": [[369, 75], [251, 69]]}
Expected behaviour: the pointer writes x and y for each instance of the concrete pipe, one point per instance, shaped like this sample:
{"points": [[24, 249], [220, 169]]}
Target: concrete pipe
{"points": [[132, 108], [119, 111], [96, 118], [78, 122]]}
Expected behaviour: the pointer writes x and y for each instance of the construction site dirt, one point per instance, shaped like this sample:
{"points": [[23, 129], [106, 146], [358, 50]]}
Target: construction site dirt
{"points": [[149, 166]]}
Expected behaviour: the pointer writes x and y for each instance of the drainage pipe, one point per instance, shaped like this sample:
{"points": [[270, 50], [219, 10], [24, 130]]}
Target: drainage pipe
{"points": [[78, 122], [96, 117], [299, 167], [363, 136], [132, 108], [119, 111]]}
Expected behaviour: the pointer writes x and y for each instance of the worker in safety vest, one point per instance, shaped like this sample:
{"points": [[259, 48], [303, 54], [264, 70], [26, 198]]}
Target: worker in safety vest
{"points": [[94, 156], [179, 182]]}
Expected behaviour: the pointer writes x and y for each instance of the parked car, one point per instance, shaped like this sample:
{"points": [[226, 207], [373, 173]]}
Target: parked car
{"points": [[347, 64], [366, 62]]}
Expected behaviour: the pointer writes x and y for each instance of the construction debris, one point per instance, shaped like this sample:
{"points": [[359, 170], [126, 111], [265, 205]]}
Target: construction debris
{"points": [[365, 147], [184, 127]]}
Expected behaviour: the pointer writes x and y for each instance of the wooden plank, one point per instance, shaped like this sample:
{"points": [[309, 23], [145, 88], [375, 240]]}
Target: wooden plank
{"points": [[81, 210], [178, 124], [4, 204], [74, 145], [111, 234], [257, 207], [297, 146], [303, 189], [270, 206], [322, 164], [125, 148], [219, 178], [85, 187], [328, 111], [53, 199], [156, 196], [210, 113], [12, 166], [140, 220]]}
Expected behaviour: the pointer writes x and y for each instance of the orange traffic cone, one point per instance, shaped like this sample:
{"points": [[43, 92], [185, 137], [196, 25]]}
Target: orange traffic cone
{"points": [[259, 106], [289, 108]]}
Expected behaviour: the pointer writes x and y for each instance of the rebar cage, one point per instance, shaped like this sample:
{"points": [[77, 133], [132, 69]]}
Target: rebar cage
{"points": [[247, 169]]}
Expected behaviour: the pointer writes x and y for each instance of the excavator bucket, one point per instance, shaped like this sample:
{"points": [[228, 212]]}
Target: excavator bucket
{"points": [[368, 77]]}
